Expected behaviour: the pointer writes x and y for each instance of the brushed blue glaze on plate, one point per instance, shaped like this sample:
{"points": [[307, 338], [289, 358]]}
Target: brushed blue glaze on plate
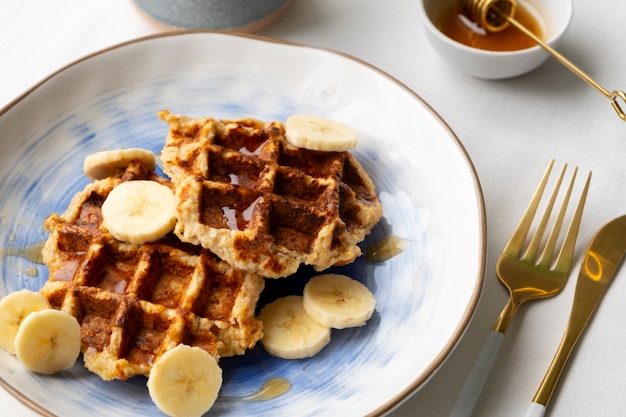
{"points": [[426, 182]]}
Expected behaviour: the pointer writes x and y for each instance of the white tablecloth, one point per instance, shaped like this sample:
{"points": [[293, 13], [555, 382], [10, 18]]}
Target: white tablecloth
{"points": [[510, 129]]}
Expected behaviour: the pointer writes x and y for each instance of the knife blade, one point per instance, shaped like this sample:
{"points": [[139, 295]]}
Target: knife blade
{"points": [[602, 258]]}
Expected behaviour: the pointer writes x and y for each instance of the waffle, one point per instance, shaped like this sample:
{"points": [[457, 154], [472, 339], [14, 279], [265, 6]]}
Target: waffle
{"points": [[134, 302], [261, 204]]}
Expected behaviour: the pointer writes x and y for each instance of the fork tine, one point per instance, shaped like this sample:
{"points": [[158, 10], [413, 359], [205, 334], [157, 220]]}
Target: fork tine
{"points": [[515, 244], [566, 253], [535, 242], [548, 250]]}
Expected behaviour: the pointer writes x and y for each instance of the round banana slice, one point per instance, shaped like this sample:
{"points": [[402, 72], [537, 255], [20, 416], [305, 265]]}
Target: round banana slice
{"points": [[289, 332], [338, 301], [14, 308], [185, 381], [105, 164], [139, 211], [319, 133], [48, 341]]}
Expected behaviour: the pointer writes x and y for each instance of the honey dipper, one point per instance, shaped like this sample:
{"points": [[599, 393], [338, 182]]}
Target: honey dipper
{"points": [[495, 15]]}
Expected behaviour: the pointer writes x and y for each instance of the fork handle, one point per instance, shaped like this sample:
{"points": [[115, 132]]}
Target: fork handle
{"points": [[535, 410], [470, 393]]}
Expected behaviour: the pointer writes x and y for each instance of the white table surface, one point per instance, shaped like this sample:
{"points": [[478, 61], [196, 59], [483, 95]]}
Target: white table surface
{"points": [[510, 129]]}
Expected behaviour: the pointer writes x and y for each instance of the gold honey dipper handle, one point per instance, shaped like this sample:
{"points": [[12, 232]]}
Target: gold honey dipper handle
{"points": [[495, 15]]}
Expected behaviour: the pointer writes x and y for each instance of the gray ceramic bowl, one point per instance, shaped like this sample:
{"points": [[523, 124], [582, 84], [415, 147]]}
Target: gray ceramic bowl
{"points": [[231, 15]]}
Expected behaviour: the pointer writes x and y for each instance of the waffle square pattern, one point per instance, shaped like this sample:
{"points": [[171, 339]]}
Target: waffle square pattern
{"points": [[135, 302], [262, 204]]}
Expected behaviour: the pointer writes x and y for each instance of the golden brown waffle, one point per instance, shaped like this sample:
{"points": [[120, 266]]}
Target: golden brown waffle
{"points": [[134, 302], [263, 205]]}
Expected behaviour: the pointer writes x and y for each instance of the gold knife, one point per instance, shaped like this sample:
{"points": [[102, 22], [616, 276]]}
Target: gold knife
{"points": [[603, 256]]}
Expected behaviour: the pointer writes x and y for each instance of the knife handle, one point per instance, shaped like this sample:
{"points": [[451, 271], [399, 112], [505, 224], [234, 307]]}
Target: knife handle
{"points": [[470, 393], [535, 410]]}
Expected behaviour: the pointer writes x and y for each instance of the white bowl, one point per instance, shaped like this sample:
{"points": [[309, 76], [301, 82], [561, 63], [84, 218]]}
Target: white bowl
{"points": [[556, 16]]}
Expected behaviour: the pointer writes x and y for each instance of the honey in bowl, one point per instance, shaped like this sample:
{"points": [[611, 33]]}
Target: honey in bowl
{"points": [[458, 26]]}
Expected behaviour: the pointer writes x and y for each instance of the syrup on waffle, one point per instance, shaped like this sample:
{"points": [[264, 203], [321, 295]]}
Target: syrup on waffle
{"points": [[261, 204], [135, 302]]}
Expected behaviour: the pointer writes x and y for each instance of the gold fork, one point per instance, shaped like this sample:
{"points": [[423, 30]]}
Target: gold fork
{"points": [[528, 274]]}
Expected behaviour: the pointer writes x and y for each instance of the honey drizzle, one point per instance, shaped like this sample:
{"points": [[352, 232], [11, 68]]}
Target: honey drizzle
{"points": [[272, 388], [387, 248], [31, 253]]}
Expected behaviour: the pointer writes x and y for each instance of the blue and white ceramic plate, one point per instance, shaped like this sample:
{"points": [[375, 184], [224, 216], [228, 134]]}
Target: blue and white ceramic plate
{"points": [[432, 200]]}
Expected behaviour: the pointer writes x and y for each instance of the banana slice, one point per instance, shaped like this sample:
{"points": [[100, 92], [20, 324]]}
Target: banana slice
{"points": [[185, 381], [105, 164], [289, 332], [13, 310], [48, 341], [338, 301], [139, 211], [319, 133]]}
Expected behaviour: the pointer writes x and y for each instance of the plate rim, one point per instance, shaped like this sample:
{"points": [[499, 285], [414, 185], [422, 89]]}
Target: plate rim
{"points": [[470, 310]]}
